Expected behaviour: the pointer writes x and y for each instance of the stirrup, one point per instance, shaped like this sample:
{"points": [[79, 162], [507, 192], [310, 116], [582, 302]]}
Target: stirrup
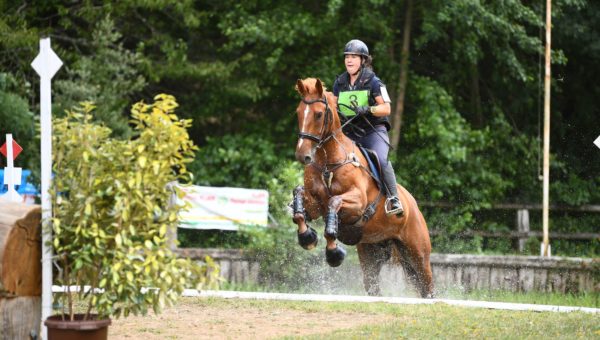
{"points": [[398, 211]]}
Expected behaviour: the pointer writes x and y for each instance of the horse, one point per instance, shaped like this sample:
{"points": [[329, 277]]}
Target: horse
{"points": [[339, 187]]}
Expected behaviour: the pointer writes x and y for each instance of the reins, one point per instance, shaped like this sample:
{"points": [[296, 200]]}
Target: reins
{"points": [[368, 122]]}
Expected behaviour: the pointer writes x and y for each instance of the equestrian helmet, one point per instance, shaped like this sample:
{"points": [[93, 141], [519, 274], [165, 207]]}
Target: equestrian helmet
{"points": [[356, 46]]}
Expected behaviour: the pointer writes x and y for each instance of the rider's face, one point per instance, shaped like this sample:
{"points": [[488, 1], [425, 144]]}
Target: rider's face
{"points": [[352, 62]]}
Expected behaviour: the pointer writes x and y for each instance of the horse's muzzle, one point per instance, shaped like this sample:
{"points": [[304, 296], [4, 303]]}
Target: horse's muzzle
{"points": [[304, 158]]}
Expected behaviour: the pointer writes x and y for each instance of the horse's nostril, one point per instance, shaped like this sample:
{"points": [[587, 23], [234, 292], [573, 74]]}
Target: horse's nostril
{"points": [[307, 159]]}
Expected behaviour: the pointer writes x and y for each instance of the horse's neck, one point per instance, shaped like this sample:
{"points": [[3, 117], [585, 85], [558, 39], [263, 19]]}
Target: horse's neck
{"points": [[338, 146], [336, 150]]}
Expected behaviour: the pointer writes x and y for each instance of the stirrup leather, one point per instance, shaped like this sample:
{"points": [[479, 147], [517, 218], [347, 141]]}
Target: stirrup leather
{"points": [[396, 211]]}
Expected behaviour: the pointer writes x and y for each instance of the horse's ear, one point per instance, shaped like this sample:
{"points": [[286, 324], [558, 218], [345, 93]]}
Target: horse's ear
{"points": [[300, 87], [319, 86]]}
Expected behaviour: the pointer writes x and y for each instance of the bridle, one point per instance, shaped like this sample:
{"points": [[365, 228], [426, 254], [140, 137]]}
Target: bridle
{"points": [[321, 139]]}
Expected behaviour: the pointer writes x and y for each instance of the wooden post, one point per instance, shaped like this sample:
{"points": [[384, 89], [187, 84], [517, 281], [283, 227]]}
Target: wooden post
{"points": [[399, 110], [172, 232], [523, 227], [546, 187]]}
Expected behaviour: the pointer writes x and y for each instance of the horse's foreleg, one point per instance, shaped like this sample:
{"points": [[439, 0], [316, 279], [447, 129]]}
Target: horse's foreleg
{"points": [[334, 253], [307, 236], [331, 220]]}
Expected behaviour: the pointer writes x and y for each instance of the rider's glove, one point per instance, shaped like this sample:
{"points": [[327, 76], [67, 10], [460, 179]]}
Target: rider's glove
{"points": [[362, 110]]}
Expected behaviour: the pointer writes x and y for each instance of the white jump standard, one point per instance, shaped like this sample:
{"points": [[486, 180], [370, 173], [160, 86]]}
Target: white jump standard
{"points": [[12, 175], [46, 64]]}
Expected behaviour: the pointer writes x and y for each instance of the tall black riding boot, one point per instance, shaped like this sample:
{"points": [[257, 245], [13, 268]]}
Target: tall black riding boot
{"points": [[393, 206]]}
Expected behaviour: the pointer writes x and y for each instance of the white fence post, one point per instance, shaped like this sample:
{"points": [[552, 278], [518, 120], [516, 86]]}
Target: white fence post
{"points": [[522, 227], [46, 64]]}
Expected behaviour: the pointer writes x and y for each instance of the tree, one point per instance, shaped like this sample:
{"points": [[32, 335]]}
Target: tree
{"points": [[108, 74], [401, 93]]}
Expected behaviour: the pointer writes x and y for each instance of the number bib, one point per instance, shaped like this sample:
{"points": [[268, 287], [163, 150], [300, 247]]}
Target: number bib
{"points": [[352, 99]]}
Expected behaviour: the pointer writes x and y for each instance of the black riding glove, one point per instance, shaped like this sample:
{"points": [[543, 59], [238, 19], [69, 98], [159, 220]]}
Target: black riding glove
{"points": [[362, 110]]}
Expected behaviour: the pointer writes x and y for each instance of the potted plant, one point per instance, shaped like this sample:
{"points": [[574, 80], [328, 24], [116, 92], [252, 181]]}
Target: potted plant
{"points": [[112, 214]]}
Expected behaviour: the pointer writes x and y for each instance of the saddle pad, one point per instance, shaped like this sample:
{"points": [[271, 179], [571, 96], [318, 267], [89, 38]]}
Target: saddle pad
{"points": [[373, 161]]}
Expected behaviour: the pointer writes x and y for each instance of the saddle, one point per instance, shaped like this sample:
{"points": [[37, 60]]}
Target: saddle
{"points": [[374, 166]]}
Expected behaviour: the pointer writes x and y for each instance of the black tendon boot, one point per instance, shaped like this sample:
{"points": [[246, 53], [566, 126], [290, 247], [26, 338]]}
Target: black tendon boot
{"points": [[393, 206]]}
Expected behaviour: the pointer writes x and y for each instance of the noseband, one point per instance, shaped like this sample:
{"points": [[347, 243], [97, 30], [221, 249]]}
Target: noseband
{"points": [[321, 139]]}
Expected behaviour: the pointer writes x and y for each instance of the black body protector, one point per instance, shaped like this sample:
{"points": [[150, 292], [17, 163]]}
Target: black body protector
{"points": [[360, 94]]}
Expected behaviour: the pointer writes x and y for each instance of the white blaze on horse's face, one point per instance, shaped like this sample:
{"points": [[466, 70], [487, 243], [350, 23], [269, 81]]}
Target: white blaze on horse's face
{"points": [[302, 129], [308, 125]]}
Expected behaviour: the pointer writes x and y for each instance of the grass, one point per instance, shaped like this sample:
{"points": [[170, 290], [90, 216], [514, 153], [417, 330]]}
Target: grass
{"points": [[437, 321], [586, 299], [445, 322]]}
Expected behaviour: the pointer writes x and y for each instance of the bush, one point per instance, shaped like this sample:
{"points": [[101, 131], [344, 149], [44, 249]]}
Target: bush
{"points": [[112, 212]]}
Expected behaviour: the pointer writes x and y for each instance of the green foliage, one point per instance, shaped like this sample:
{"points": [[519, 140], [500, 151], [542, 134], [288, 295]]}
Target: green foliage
{"points": [[108, 75], [229, 239], [15, 115], [468, 167], [17, 120], [112, 213], [233, 66], [237, 161], [474, 29]]}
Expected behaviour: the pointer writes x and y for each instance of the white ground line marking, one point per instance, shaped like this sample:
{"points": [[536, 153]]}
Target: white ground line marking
{"points": [[394, 300]]}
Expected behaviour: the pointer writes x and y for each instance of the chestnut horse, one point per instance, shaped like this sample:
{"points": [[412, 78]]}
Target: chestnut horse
{"points": [[339, 186]]}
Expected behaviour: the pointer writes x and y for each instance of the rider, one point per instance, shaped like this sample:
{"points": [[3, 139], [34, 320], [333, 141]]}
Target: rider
{"points": [[360, 89]]}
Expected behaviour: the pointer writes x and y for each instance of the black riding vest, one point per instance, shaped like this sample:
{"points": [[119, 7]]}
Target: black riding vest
{"points": [[363, 83]]}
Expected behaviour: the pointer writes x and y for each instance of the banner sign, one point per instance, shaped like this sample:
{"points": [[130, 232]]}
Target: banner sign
{"points": [[223, 208]]}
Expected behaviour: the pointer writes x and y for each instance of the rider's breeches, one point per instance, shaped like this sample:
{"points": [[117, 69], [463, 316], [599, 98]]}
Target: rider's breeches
{"points": [[375, 141]]}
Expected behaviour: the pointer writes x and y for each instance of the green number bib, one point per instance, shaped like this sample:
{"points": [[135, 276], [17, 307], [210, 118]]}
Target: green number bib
{"points": [[352, 99]]}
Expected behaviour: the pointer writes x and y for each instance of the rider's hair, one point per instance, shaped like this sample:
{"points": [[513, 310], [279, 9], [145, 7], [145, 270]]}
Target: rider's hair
{"points": [[367, 62]]}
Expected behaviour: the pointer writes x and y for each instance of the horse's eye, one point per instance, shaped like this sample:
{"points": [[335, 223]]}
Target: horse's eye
{"points": [[319, 115]]}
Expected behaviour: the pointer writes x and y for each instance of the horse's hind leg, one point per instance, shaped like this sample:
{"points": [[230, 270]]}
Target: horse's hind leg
{"points": [[372, 257], [417, 268]]}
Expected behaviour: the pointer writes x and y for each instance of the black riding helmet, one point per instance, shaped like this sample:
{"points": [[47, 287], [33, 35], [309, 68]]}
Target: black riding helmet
{"points": [[356, 46]]}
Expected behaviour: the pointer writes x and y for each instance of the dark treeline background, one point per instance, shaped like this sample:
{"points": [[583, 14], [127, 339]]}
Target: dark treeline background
{"points": [[468, 131]]}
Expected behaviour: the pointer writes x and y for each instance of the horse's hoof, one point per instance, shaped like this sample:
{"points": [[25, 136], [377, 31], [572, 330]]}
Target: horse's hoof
{"points": [[308, 239], [430, 295], [336, 256], [374, 292]]}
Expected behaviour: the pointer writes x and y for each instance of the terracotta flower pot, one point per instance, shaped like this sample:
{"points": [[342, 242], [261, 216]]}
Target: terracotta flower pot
{"points": [[91, 329]]}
